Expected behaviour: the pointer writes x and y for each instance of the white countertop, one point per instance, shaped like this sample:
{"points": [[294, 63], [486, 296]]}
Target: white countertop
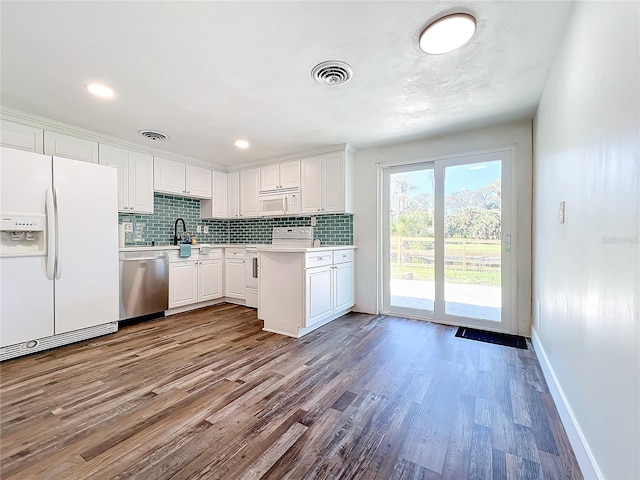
{"points": [[142, 248], [322, 248], [260, 248]]}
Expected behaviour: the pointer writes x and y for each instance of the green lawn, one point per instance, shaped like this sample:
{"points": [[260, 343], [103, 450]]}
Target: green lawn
{"points": [[490, 278]]}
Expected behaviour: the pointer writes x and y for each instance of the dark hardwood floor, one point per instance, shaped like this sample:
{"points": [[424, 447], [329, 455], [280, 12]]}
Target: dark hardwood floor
{"points": [[208, 394]]}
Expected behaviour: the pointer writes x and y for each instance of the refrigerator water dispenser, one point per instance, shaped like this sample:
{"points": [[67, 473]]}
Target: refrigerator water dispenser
{"points": [[22, 235]]}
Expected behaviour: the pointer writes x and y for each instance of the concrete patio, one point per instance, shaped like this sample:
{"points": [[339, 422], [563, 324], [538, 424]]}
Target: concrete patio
{"points": [[474, 301]]}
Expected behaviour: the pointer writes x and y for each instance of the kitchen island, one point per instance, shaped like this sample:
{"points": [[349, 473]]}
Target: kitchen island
{"points": [[302, 289]]}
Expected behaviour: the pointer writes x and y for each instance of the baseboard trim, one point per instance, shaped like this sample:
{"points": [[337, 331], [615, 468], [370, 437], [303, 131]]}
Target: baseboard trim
{"points": [[579, 443]]}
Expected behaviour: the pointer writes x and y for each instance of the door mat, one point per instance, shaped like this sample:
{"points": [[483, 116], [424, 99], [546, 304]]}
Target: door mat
{"points": [[515, 341]]}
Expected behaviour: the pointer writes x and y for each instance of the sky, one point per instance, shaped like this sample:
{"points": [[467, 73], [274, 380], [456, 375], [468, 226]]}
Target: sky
{"points": [[458, 177]]}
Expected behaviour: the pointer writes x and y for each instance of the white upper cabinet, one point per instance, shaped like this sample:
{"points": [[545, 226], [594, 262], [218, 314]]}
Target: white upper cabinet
{"points": [[333, 172], [249, 190], [180, 179], [326, 183], [280, 175], [59, 145], [135, 178], [233, 195], [311, 168], [290, 174], [198, 181], [140, 182], [270, 177], [22, 137], [168, 176], [217, 206]]}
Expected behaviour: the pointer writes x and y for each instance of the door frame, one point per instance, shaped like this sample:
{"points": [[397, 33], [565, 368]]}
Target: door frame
{"points": [[509, 297]]}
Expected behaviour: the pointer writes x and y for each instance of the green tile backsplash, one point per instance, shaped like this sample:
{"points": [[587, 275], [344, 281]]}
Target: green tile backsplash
{"points": [[158, 228]]}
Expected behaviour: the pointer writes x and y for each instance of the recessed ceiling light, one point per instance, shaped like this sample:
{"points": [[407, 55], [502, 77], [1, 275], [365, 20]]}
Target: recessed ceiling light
{"points": [[243, 144], [99, 90], [448, 33]]}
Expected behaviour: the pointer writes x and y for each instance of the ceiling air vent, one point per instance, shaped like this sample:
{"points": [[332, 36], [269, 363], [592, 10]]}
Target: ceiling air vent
{"points": [[153, 134], [332, 73]]}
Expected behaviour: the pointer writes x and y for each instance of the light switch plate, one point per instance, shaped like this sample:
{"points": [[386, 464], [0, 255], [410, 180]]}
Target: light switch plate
{"points": [[562, 218], [206, 229], [314, 221], [198, 229]]}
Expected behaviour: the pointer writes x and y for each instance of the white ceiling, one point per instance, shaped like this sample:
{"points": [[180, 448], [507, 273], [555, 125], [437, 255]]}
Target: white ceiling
{"points": [[207, 73]]}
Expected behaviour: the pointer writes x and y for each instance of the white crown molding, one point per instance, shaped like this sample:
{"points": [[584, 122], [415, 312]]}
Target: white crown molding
{"points": [[36, 121], [17, 116], [294, 156]]}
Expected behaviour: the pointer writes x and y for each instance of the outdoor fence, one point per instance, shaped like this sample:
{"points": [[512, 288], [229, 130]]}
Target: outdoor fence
{"points": [[463, 254]]}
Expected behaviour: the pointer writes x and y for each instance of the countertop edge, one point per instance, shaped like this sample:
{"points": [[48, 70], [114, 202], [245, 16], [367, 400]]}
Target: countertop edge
{"points": [[260, 248], [324, 248]]}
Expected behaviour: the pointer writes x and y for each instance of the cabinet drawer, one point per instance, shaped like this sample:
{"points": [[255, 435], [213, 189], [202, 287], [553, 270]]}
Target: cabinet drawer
{"points": [[235, 253], [318, 259], [342, 256], [213, 254]]}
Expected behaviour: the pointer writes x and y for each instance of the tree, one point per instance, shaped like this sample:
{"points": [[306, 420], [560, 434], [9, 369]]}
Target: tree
{"points": [[484, 198], [472, 222]]}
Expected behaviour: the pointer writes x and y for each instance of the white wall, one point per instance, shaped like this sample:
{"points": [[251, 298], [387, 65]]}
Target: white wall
{"points": [[516, 135], [586, 271]]}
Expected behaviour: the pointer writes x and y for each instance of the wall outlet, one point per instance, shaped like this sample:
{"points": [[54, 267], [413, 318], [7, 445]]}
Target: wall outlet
{"points": [[198, 229], [128, 226], [314, 221], [139, 228], [206, 229], [562, 217]]}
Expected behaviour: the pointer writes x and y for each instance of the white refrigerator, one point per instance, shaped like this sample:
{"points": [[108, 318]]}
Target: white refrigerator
{"points": [[58, 251]]}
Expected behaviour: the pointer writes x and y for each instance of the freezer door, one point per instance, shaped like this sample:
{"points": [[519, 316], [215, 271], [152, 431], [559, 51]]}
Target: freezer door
{"points": [[26, 303], [87, 285], [26, 294], [24, 178]]}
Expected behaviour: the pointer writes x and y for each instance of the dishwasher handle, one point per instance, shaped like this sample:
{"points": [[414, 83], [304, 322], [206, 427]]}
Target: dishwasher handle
{"points": [[141, 259]]}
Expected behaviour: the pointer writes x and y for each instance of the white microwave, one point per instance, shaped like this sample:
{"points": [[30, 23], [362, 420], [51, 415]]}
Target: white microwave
{"points": [[280, 203]]}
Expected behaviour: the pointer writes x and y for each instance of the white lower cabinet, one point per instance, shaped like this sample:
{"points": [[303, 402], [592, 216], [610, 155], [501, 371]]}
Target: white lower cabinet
{"points": [[183, 283], [343, 284], [318, 294], [329, 288], [209, 280], [234, 282], [195, 279], [326, 293]]}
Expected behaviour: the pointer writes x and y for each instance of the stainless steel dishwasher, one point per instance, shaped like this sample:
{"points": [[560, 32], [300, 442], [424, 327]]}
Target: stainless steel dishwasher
{"points": [[144, 283]]}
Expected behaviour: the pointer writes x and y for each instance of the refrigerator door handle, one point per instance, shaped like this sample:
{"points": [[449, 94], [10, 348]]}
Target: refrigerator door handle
{"points": [[51, 229], [58, 268]]}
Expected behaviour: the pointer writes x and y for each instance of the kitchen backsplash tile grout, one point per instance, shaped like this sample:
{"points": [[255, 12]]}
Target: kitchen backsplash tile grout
{"points": [[333, 229]]}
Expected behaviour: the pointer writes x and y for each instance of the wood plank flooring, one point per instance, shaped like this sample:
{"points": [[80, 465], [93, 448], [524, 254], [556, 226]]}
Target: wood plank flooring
{"points": [[208, 394]]}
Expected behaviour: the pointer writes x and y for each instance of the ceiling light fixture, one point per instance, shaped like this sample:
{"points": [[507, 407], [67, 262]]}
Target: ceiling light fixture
{"points": [[243, 144], [99, 90], [448, 33]]}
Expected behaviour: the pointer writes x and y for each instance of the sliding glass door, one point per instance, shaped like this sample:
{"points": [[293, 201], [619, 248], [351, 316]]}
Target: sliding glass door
{"points": [[446, 240], [410, 239]]}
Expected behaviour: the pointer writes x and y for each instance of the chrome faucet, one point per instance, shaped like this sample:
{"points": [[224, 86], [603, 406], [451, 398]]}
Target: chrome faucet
{"points": [[175, 230]]}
